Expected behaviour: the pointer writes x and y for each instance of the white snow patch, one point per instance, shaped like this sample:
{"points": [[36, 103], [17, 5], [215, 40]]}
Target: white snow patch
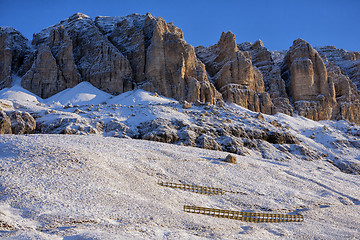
{"points": [[139, 96], [18, 94], [82, 94]]}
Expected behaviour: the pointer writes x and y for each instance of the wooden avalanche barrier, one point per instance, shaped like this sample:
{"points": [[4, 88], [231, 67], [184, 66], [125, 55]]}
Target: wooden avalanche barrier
{"points": [[194, 188], [244, 216]]}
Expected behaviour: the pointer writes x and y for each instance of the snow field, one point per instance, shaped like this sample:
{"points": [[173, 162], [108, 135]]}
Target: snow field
{"points": [[94, 187]]}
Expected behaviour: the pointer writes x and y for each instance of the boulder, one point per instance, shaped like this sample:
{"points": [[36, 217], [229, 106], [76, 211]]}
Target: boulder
{"points": [[5, 123], [230, 159], [22, 122]]}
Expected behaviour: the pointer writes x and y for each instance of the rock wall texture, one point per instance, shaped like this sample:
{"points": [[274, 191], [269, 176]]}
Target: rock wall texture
{"points": [[118, 54], [160, 58], [13, 50], [234, 74], [308, 85]]}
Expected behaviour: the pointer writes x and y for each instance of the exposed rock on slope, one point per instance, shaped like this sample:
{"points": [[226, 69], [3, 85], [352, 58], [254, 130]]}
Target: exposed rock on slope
{"points": [[13, 50], [16, 122], [160, 58], [234, 75], [5, 123], [22, 122]]}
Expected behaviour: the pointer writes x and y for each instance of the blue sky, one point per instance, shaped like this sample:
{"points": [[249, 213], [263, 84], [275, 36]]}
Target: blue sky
{"points": [[276, 22]]}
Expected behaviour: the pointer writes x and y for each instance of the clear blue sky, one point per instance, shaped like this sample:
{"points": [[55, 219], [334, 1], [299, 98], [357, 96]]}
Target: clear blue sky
{"points": [[276, 22]]}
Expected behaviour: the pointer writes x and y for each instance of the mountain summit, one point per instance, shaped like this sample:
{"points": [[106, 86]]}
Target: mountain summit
{"points": [[119, 54]]}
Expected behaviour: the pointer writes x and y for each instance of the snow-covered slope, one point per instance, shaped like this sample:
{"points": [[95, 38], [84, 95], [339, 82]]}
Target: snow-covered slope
{"points": [[104, 185], [82, 94], [92, 187], [18, 94]]}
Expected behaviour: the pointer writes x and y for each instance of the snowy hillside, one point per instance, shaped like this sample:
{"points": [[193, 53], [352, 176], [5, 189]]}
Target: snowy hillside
{"points": [[56, 186], [101, 182]]}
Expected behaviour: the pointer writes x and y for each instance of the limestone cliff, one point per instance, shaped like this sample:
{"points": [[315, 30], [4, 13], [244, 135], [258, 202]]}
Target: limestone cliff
{"points": [[118, 54], [160, 58], [263, 59], [13, 50], [72, 51], [234, 74], [304, 72]]}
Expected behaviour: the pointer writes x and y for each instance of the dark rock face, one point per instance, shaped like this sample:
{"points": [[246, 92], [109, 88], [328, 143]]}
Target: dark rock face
{"points": [[344, 70], [13, 50], [53, 69], [348, 61]]}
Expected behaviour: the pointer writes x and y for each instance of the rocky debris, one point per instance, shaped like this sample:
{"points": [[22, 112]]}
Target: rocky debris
{"points": [[234, 74], [306, 77], [230, 159], [160, 58], [186, 105], [115, 128], [5, 123], [209, 132], [22, 122], [348, 167], [69, 125], [13, 51]]}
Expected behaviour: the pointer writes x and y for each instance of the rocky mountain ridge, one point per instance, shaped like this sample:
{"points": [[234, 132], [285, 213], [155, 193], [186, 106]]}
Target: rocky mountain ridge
{"points": [[119, 54]]}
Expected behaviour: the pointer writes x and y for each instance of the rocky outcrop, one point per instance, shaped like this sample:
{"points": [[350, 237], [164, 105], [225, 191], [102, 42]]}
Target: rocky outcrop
{"points": [[22, 122], [348, 61], [13, 50], [234, 75], [5, 123], [304, 72], [53, 69], [161, 60], [346, 93]]}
